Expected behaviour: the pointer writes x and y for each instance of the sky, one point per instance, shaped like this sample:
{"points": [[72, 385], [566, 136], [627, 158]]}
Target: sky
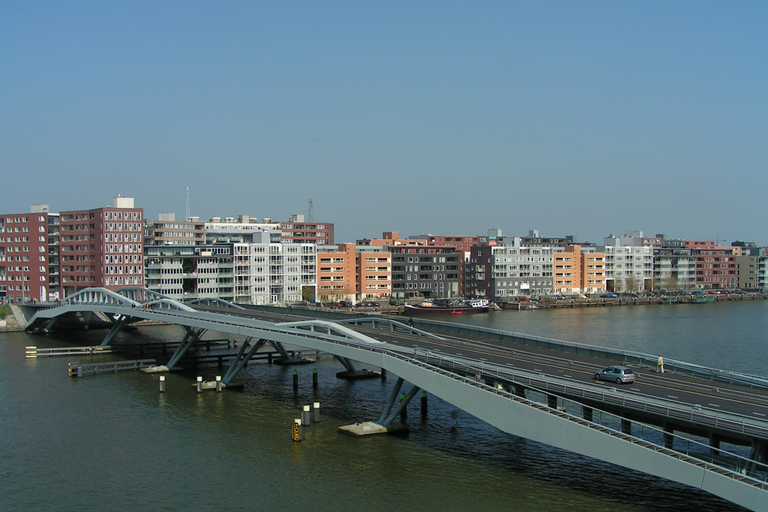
{"points": [[585, 118]]}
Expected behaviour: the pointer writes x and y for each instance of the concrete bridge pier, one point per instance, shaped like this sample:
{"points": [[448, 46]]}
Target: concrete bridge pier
{"points": [[192, 336], [758, 454], [242, 358], [669, 437], [351, 373], [116, 327]]}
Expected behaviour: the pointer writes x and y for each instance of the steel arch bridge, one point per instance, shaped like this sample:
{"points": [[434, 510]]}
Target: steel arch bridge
{"points": [[494, 404]]}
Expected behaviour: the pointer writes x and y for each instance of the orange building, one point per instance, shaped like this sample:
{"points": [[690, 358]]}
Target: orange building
{"points": [[576, 272], [336, 274], [353, 273], [374, 274]]}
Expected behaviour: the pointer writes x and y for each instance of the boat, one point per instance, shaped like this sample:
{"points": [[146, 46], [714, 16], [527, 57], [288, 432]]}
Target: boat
{"points": [[453, 307]]}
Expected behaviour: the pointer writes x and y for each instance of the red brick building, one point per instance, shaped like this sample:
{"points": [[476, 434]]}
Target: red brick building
{"points": [[24, 261], [103, 247]]}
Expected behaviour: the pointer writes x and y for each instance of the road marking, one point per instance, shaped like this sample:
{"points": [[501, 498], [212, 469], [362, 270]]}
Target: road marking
{"points": [[713, 405], [672, 396], [759, 413]]}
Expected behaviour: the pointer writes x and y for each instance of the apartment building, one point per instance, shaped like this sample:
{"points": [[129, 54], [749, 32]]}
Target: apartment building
{"points": [[336, 273], [354, 273], [190, 271], [629, 263], [25, 258], [424, 271], [299, 231], [503, 268], [715, 265], [674, 268], [578, 272], [168, 231], [103, 247], [373, 273], [266, 272]]}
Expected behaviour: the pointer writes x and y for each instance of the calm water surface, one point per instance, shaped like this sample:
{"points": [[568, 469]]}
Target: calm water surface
{"points": [[113, 442]]}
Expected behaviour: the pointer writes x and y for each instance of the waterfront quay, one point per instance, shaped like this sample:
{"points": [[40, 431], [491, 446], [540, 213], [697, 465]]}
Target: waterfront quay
{"points": [[629, 300]]}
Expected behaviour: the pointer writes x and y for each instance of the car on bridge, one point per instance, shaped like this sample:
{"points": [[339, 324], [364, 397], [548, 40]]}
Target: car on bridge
{"points": [[617, 374]]}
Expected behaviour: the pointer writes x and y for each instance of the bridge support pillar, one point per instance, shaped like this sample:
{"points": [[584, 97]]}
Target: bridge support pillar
{"points": [[119, 323], [669, 438], [189, 340], [714, 443], [242, 358], [758, 455], [552, 401]]}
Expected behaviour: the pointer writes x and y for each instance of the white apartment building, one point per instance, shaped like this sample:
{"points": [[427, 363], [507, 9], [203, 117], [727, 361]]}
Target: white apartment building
{"points": [[628, 263], [267, 272], [517, 269], [674, 269], [185, 272]]}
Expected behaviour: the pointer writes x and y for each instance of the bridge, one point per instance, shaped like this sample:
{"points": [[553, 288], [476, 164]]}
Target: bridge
{"points": [[526, 386]]}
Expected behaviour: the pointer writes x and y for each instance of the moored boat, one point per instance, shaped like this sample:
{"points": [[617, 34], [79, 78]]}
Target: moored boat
{"points": [[449, 306]]}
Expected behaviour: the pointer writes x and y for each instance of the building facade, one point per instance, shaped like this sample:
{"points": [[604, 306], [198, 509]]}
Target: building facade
{"points": [[299, 231], [578, 272], [25, 269], [373, 273], [628, 263], [424, 271], [103, 247], [168, 231], [185, 272], [503, 268]]}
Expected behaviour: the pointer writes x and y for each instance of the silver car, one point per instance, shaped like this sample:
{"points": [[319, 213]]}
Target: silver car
{"points": [[617, 374]]}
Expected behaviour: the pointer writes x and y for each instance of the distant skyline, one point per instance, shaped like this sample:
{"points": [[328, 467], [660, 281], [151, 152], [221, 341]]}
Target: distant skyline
{"points": [[571, 118]]}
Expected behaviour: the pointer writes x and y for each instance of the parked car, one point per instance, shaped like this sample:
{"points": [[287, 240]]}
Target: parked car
{"points": [[609, 295], [617, 374]]}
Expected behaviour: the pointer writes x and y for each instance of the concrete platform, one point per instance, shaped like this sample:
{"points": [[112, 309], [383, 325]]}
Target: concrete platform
{"points": [[368, 428], [155, 369], [359, 375]]}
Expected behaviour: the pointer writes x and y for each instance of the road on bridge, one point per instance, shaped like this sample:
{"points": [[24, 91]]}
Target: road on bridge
{"points": [[728, 398]]}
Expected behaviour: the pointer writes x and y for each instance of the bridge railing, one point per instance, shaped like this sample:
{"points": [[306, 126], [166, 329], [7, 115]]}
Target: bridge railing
{"points": [[732, 462], [628, 357]]}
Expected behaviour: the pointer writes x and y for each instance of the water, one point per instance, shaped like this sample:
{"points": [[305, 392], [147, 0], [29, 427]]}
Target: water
{"points": [[113, 442]]}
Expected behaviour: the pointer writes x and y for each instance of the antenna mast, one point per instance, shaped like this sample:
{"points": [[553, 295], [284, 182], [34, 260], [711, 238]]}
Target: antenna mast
{"points": [[311, 212], [187, 212]]}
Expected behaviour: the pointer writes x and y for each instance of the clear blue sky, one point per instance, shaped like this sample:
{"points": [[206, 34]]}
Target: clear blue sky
{"points": [[584, 118]]}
